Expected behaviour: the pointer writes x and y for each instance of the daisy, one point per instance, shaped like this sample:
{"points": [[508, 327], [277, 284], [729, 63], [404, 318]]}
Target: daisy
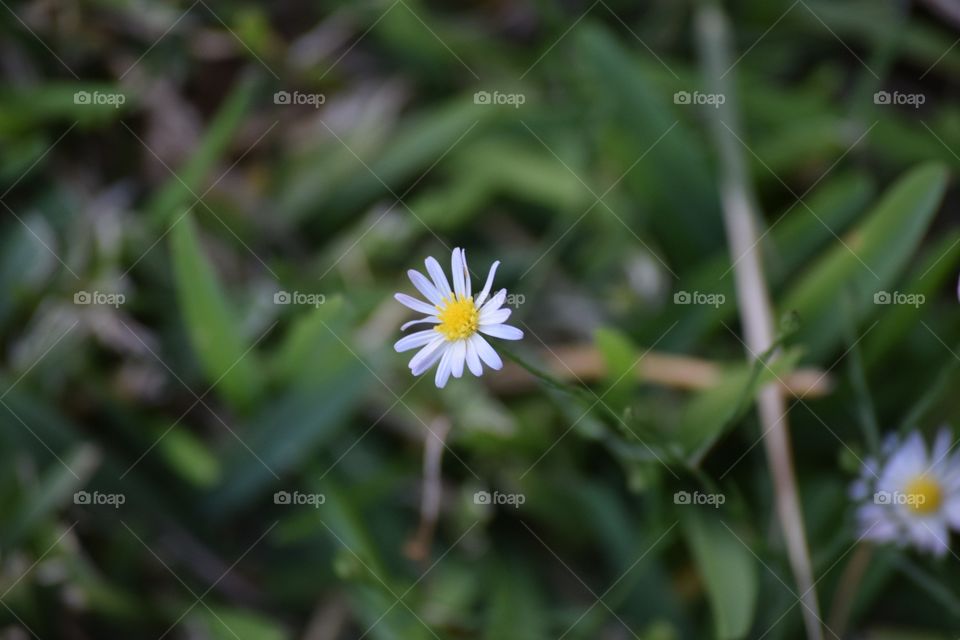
{"points": [[910, 497], [458, 320]]}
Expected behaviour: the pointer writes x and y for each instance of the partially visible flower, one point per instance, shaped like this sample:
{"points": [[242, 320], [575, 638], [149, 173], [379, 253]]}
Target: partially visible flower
{"points": [[459, 319], [909, 497]]}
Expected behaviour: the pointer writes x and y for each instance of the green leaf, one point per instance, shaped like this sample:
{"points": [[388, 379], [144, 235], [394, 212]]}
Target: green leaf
{"points": [[305, 350], [711, 411], [322, 380], [189, 456], [229, 624], [369, 584], [224, 354], [674, 170], [936, 270], [525, 173], [516, 607], [54, 490], [419, 141], [286, 433], [868, 260], [24, 262], [798, 234], [728, 569], [27, 109], [620, 358]]}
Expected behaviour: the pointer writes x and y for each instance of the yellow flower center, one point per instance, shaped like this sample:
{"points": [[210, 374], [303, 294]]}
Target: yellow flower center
{"points": [[459, 318], [924, 494]]}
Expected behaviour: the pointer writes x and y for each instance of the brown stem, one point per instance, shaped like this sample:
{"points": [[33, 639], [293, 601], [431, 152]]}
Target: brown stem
{"points": [[418, 547], [583, 362], [756, 314], [847, 589]]}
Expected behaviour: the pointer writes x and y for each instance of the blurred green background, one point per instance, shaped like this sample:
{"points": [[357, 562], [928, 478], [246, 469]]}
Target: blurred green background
{"points": [[207, 208]]}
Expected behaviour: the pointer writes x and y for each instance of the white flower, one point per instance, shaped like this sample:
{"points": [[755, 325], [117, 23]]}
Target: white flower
{"points": [[911, 498], [459, 319]]}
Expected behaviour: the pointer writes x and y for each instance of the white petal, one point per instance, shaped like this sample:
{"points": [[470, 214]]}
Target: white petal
{"points": [[890, 444], [439, 277], [473, 360], [415, 340], [859, 490], [876, 522], [456, 268], [467, 285], [443, 371], [495, 302], [427, 356], [940, 460], [939, 544], [905, 463], [424, 286], [950, 475], [486, 287], [416, 305], [495, 317], [427, 364], [941, 444], [929, 534], [871, 469], [427, 320], [486, 352], [503, 331], [457, 356], [952, 513]]}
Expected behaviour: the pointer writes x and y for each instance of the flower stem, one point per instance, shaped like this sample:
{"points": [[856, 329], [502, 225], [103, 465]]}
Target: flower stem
{"points": [[858, 377], [583, 362], [848, 587], [740, 220], [418, 548], [926, 581]]}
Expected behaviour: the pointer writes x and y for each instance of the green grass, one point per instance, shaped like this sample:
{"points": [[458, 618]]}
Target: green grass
{"points": [[190, 395]]}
